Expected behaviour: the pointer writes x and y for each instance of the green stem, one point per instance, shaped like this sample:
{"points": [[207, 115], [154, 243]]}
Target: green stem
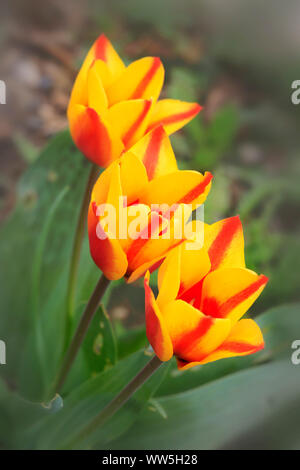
{"points": [[82, 328], [75, 256], [109, 411]]}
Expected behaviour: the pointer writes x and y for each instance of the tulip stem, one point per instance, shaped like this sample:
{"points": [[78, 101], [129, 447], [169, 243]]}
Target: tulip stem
{"points": [[120, 400], [76, 250], [79, 335]]}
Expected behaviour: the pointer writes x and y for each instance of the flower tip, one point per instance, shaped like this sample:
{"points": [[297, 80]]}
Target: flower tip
{"points": [[198, 108], [208, 176], [264, 279]]}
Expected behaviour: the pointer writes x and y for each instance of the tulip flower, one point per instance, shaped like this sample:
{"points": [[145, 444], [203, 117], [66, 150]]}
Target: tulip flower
{"points": [[203, 295], [147, 176], [113, 106]]}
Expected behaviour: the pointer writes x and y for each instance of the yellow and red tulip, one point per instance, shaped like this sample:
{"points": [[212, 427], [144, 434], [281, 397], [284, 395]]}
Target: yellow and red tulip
{"points": [[147, 175], [113, 106], [203, 294]]}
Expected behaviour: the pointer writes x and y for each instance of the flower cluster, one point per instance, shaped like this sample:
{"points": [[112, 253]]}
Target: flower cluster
{"points": [[117, 121]]}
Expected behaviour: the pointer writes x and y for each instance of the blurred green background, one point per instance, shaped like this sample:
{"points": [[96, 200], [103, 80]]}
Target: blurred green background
{"points": [[238, 60]]}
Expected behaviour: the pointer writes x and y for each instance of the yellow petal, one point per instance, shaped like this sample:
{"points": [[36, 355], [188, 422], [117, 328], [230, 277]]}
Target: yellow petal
{"points": [[193, 334], [156, 330], [106, 253], [96, 94], [112, 68], [224, 242], [180, 187], [195, 264], [156, 153], [245, 338], [133, 176], [129, 119], [169, 278], [141, 79], [230, 292], [105, 51], [94, 136], [173, 114]]}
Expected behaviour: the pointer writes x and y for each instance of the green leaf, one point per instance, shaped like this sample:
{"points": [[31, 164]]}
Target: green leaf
{"points": [[85, 402], [131, 340], [59, 166], [256, 407], [98, 351], [17, 415]]}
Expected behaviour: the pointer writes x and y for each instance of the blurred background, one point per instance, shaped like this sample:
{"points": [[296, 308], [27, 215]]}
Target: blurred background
{"points": [[237, 59]]}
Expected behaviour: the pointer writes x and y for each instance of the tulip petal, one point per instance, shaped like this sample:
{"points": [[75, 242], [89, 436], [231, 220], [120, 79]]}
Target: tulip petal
{"points": [[224, 242], [96, 94], [156, 330], [169, 278], [93, 136], [152, 264], [195, 264], [111, 67], [129, 119], [155, 151], [180, 187], [104, 50], [193, 334], [245, 338], [107, 253], [173, 114], [161, 235], [230, 292], [133, 176], [151, 245], [141, 79]]}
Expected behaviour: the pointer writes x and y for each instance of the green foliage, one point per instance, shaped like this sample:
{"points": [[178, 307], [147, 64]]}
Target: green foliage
{"points": [[210, 142], [237, 411], [85, 402]]}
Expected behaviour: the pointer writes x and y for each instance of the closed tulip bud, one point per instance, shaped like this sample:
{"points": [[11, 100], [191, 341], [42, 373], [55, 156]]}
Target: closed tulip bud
{"points": [[113, 106]]}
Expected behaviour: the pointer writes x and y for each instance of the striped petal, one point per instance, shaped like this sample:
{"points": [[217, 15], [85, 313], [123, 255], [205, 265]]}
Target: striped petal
{"points": [[180, 187], [195, 264], [107, 253], [245, 338], [104, 50], [93, 135], [111, 67], [151, 246], [230, 292], [141, 79], [155, 151], [224, 242], [129, 119], [173, 114], [156, 330], [193, 334]]}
